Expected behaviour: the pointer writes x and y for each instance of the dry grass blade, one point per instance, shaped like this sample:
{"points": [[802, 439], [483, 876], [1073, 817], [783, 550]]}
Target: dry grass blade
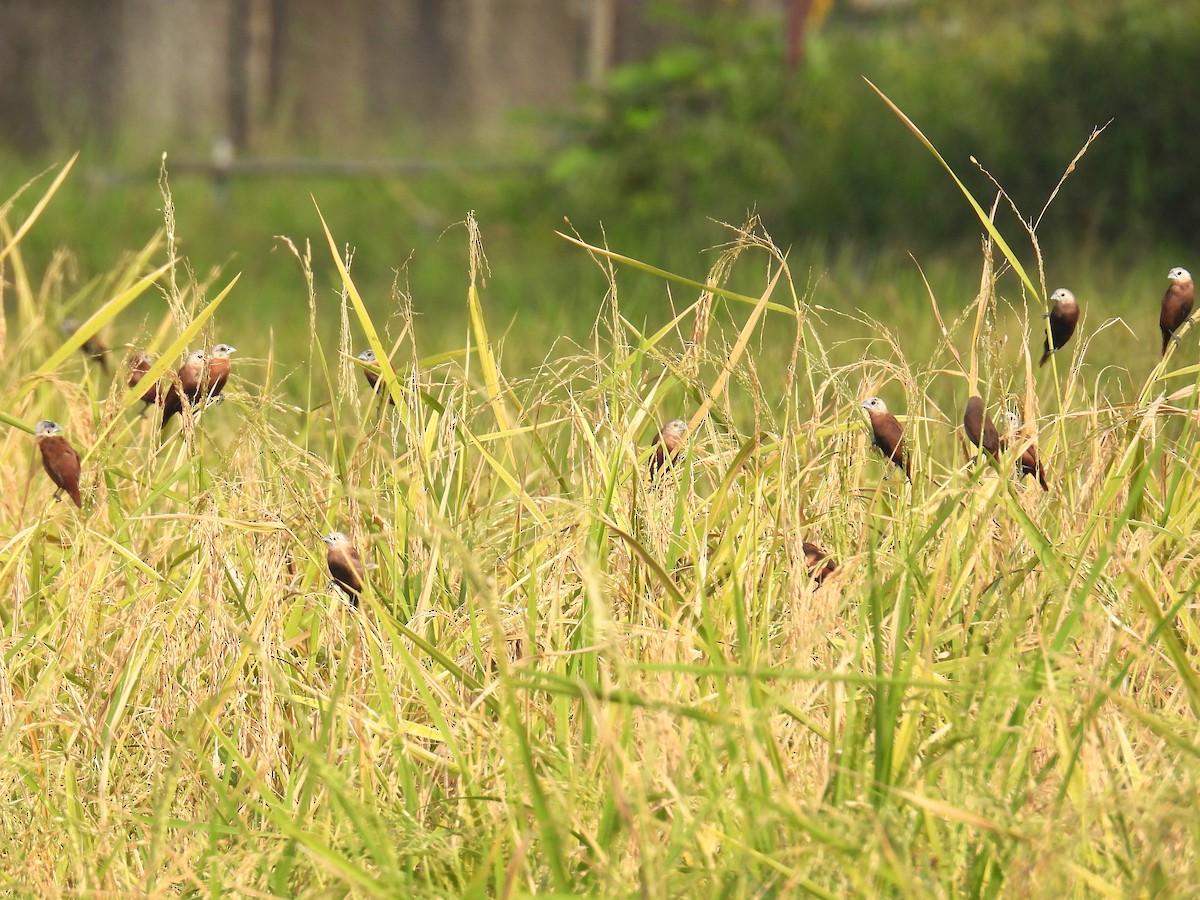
{"points": [[387, 373], [38, 208], [671, 276], [99, 319], [984, 218], [735, 354], [483, 346]]}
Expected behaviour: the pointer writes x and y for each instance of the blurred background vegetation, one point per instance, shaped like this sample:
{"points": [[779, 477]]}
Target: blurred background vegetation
{"points": [[717, 119], [705, 118]]}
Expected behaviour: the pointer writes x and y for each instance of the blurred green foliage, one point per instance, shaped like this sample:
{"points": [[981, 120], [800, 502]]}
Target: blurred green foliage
{"points": [[711, 127], [667, 135], [716, 124], [1135, 65]]}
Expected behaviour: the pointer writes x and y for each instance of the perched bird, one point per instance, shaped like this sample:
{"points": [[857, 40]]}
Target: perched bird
{"points": [[1028, 464], [888, 434], [138, 365], [372, 375], [667, 444], [59, 458], [200, 376], [345, 565], [1064, 316], [1176, 304], [94, 346], [186, 383], [980, 428], [820, 564], [216, 372]]}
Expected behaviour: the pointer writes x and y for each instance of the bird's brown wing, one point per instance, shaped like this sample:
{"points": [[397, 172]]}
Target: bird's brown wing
{"points": [[61, 462], [345, 565], [1176, 307], [172, 402], [889, 438], [218, 375], [376, 381], [819, 563], [991, 438], [1031, 465], [187, 384], [980, 428], [973, 419], [1062, 326], [356, 561], [137, 371], [190, 374]]}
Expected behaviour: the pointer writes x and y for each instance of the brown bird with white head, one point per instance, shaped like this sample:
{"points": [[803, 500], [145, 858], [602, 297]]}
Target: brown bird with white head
{"points": [[94, 346], [1063, 316], [201, 375], [139, 364], [345, 565], [888, 434], [1028, 463], [667, 444], [216, 372], [59, 458], [1176, 305], [980, 429], [374, 379]]}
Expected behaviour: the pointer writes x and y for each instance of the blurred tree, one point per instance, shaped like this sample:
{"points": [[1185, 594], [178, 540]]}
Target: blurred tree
{"points": [[716, 123]]}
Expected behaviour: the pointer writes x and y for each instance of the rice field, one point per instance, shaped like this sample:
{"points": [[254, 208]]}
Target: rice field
{"points": [[566, 675]]}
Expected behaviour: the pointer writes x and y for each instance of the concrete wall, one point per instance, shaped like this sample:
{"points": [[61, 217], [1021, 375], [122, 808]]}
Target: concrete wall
{"points": [[332, 75]]}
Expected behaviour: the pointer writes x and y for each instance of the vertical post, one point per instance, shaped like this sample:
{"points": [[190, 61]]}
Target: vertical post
{"points": [[251, 29], [260, 28], [238, 112], [600, 40]]}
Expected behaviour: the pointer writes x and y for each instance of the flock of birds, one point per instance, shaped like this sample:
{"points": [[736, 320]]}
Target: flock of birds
{"points": [[200, 380], [203, 376], [887, 434]]}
